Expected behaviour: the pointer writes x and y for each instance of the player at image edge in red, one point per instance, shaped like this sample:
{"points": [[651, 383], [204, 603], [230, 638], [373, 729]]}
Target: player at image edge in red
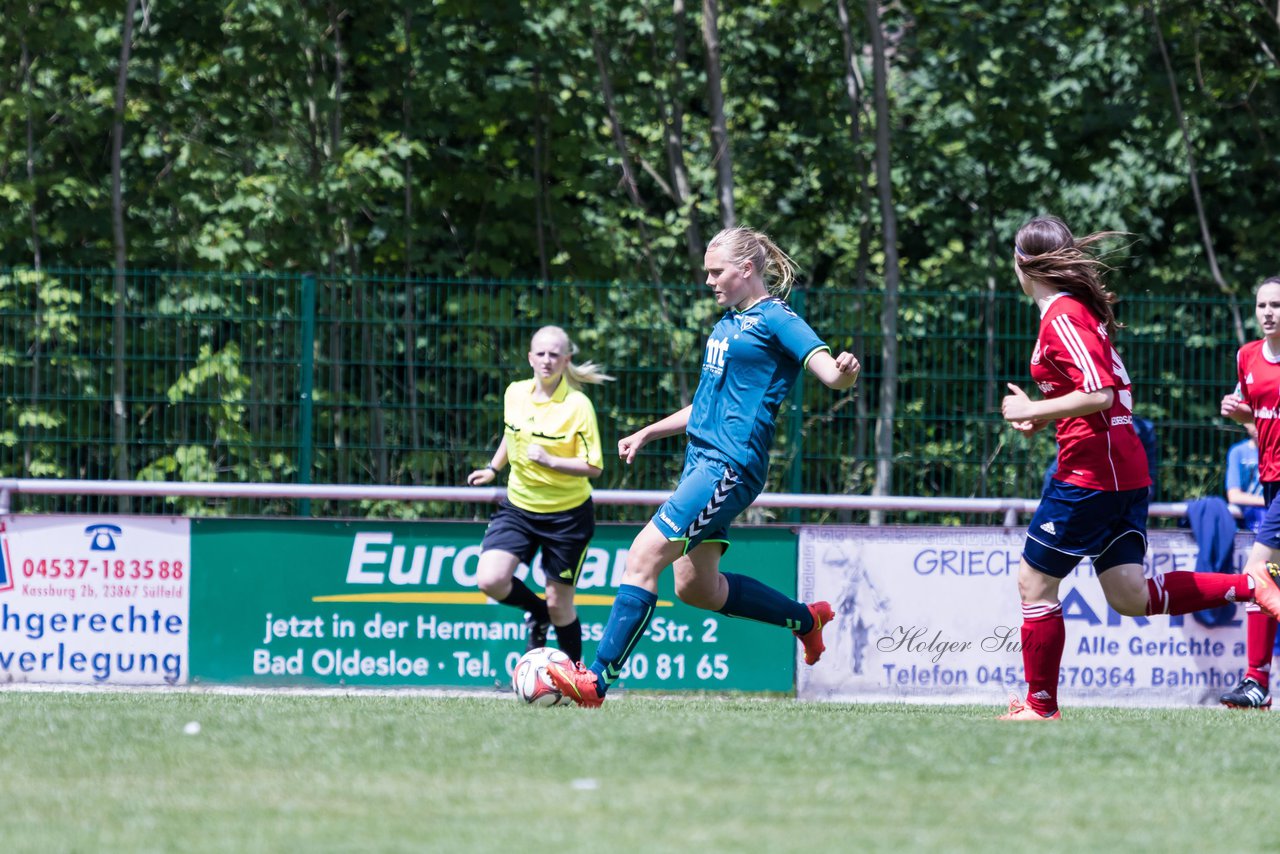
{"points": [[1256, 402]]}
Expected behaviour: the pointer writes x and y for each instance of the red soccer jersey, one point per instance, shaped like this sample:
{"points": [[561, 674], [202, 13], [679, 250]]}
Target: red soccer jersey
{"points": [[1102, 450], [1260, 387]]}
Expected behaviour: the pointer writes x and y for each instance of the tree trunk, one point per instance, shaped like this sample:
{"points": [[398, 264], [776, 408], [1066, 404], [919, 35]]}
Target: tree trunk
{"points": [[410, 309], [633, 191], [28, 97], [371, 382], [854, 87], [119, 407], [990, 388], [406, 133], [539, 179], [1205, 237], [719, 127], [889, 313], [674, 123], [335, 132]]}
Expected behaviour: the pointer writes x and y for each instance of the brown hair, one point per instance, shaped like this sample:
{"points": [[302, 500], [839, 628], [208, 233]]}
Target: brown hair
{"points": [[1047, 251], [745, 244]]}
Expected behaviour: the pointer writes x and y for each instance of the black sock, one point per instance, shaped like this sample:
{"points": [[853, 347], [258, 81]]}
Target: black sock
{"points": [[569, 639], [526, 600]]}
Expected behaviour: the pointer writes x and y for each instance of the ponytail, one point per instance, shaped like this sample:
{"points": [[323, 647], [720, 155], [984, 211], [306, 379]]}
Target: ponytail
{"points": [[587, 372]]}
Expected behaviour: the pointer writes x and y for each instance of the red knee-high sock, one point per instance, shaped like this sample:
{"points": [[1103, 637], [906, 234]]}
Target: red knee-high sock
{"points": [[1183, 592], [1260, 637], [1044, 634]]}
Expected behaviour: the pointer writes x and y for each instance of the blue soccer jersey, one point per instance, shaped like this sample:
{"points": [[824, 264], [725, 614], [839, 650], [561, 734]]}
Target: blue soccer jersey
{"points": [[750, 363]]}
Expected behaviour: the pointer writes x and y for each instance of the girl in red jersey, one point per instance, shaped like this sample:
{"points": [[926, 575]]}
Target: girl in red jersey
{"points": [[1256, 401], [1096, 504]]}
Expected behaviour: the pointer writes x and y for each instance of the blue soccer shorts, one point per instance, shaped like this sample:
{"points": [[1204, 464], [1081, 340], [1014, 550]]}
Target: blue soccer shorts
{"points": [[1073, 522], [708, 498], [1269, 528]]}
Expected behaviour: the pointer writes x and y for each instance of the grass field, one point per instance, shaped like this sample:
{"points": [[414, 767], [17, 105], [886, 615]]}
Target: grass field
{"points": [[114, 771]]}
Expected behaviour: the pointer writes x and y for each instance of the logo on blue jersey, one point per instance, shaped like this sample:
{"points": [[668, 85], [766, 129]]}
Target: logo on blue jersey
{"points": [[716, 350], [748, 323], [104, 537]]}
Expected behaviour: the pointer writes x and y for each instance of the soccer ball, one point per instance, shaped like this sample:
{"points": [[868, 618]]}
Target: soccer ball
{"points": [[530, 678]]}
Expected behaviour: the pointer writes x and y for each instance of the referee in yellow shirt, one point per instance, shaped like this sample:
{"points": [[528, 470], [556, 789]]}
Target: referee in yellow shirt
{"points": [[552, 441]]}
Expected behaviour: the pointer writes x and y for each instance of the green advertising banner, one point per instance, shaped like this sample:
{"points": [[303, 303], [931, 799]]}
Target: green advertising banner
{"points": [[310, 602]]}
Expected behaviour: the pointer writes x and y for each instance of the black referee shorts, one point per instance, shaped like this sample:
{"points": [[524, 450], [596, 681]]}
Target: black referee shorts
{"points": [[563, 537]]}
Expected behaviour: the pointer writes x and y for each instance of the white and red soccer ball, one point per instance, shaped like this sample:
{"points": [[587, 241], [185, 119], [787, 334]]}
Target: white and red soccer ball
{"points": [[530, 679]]}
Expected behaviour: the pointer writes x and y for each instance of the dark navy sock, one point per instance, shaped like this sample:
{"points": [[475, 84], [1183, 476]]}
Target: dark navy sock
{"points": [[754, 600], [569, 639], [526, 600], [628, 619]]}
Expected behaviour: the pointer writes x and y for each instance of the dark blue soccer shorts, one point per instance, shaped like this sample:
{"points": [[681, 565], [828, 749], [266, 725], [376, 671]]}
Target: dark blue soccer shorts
{"points": [[563, 537], [710, 495], [1073, 522], [1269, 528]]}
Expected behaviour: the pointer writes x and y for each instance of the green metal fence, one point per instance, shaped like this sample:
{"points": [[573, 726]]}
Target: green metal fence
{"points": [[274, 378]]}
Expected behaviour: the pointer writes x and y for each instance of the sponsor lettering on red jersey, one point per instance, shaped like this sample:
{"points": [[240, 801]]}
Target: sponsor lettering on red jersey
{"points": [[1073, 353], [1260, 388]]}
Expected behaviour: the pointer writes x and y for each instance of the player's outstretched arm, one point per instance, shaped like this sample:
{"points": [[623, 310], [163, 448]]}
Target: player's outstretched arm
{"points": [[676, 422], [836, 372]]}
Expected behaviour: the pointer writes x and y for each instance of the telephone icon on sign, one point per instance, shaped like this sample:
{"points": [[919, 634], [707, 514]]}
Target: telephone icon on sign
{"points": [[104, 537]]}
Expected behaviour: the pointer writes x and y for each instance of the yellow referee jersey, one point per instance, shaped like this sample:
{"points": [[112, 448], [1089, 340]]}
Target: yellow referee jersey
{"points": [[566, 426]]}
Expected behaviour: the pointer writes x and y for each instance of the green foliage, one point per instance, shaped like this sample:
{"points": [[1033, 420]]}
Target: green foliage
{"points": [[463, 140]]}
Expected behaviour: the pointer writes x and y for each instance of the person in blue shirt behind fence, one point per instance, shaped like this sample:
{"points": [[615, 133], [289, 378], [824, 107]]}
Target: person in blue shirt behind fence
{"points": [[1244, 487], [751, 361]]}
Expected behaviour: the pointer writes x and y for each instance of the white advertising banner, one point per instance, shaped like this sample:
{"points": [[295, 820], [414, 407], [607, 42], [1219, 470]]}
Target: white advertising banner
{"points": [[94, 600], [932, 615]]}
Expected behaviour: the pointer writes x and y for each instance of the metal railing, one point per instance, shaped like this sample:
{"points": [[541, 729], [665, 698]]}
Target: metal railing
{"points": [[1008, 508]]}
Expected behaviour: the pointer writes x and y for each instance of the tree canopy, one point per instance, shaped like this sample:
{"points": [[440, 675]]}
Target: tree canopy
{"points": [[489, 140]]}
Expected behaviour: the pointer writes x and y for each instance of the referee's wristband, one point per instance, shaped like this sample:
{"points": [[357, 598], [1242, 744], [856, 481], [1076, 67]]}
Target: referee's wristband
{"points": [[491, 468]]}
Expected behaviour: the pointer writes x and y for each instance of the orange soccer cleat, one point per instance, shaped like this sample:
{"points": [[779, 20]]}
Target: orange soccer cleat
{"points": [[812, 639], [577, 683], [1265, 591], [1020, 711]]}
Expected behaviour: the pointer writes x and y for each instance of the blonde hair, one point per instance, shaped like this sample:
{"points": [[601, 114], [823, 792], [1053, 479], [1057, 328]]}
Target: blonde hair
{"points": [[745, 244], [576, 375]]}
